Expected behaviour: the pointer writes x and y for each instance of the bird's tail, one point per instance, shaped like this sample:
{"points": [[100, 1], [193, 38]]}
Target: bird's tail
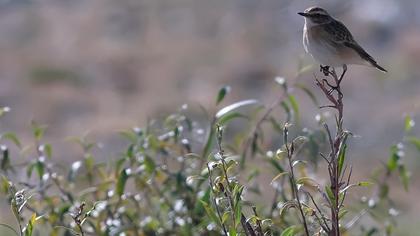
{"points": [[378, 67], [365, 56]]}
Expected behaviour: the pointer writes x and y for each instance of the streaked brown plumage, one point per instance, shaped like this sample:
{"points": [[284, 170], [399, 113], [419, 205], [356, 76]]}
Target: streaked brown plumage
{"points": [[330, 42]]}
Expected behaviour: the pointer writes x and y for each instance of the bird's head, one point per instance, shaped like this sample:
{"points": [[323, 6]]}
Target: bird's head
{"points": [[316, 15]]}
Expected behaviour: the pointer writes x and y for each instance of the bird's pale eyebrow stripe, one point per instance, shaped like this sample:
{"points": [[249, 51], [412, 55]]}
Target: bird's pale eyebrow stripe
{"points": [[316, 9]]}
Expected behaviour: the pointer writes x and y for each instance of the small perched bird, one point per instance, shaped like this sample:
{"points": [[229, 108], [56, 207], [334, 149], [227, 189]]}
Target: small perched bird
{"points": [[331, 43]]}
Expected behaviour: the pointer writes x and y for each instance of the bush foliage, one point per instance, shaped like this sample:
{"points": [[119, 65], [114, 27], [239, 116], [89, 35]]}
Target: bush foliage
{"points": [[184, 175]]}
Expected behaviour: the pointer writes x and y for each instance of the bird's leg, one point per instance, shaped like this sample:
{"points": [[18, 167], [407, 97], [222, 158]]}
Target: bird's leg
{"points": [[337, 80], [332, 87], [324, 69], [342, 74]]}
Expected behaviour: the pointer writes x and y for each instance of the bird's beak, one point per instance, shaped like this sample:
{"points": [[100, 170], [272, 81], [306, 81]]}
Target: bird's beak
{"points": [[303, 14]]}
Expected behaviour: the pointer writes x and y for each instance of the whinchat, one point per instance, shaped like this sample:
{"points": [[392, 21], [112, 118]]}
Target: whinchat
{"points": [[331, 43]]}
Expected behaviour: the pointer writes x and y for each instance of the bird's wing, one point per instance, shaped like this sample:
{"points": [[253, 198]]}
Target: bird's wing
{"points": [[339, 32], [363, 54], [341, 35]]}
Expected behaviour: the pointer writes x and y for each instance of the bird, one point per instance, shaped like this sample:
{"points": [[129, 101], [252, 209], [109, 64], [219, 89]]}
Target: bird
{"points": [[330, 42]]}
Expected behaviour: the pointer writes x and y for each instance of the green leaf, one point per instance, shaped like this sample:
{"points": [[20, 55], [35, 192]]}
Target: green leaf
{"points": [[209, 143], [30, 226], [286, 206], [383, 191], [29, 170], [11, 137], [38, 130], [5, 184], [238, 213], [276, 125], [341, 158], [225, 217], [404, 176], [5, 161], [415, 141], [232, 232], [276, 165], [408, 123], [222, 93], [286, 108], [89, 162], [393, 160], [223, 120], [289, 231], [129, 135], [342, 213], [364, 184], [298, 142], [307, 181], [279, 176], [40, 168], [235, 106], [122, 179], [48, 150], [295, 107], [308, 92], [210, 213], [329, 193], [150, 164], [237, 192]]}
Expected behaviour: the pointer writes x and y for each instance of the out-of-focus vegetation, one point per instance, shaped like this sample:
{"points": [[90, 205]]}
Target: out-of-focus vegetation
{"points": [[182, 176]]}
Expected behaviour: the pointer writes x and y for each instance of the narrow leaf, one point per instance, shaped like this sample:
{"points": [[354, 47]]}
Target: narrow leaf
{"points": [[210, 213], [341, 159], [278, 177], [404, 176], [223, 120], [393, 160], [122, 179], [415, 141], [11, 137], [295, 107], [408, 123], [308, 92], [222, 93], [235, 106], [289, 231]]}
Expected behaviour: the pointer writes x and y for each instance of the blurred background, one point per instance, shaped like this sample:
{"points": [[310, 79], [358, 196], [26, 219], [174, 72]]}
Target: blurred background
{"points": [[103, 65]]}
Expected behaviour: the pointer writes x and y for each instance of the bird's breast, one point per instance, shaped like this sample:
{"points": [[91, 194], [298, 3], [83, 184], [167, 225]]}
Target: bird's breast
{"points": [[317, 43]]}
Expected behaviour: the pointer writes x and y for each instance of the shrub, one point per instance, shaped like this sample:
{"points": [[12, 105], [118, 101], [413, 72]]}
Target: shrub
{"points": [[190, 176]]}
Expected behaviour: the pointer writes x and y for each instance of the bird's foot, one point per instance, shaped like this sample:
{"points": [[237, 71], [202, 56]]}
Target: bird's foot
{"points": [[324, 69]]}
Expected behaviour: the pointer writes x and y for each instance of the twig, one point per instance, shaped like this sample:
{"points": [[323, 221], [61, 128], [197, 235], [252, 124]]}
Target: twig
{"points": [[324, 221], [290, 152], [259, 226], [77, 218], [215, 203], [334, 94], [245, 225]]}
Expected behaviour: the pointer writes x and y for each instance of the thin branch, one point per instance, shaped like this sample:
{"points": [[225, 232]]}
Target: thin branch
{"points": [[324, 221], [245, 225], [293, 179], [215, 203]]}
